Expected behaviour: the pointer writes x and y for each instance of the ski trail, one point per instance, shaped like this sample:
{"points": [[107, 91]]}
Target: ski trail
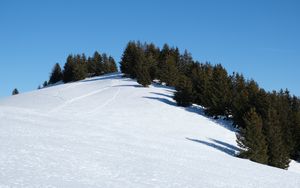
{"points": [[113, 98], [77, 99], [82, 82]]}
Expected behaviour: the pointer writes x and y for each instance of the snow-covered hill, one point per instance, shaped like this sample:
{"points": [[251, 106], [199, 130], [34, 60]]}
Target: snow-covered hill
{"points": [[109, 132]]}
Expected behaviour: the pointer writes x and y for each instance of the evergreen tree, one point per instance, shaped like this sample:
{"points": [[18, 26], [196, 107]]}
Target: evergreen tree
{"points": [[240, 100], [252, 140], [94, 65], [185, 62], [105, 63], [277, 152], [200, 75], [152, 58], [56, 74], [129, 60], [220, 99], [15, 92], [80, 71], [183, 94], [75, 68], [45, 84], [68, 73], [295, 121], [143, 76], [97, 64], [168, 72], [112, 64]]}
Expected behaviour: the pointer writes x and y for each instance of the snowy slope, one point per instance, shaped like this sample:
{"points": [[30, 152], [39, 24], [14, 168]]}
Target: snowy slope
{"points": [[109, 132]]}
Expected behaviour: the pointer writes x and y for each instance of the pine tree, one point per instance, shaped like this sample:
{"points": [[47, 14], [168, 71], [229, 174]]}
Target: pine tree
{"points": [[200, 75], [295, 121], [185, 62], [141, 68], [252, 140], [105, 63], [183, 94], [112, 64], [97, 64], [278, 154], [80, 69], [152, 58], [220, 99], [56, 74], [15, 92], [168, 72], [94, 65], [45, 84], [68, 73], [129, 60], [240, 100], [143, 76], [75, 68]]}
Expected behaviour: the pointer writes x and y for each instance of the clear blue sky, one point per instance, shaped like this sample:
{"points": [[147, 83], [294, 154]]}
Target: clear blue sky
{"points": [[258, 38]]}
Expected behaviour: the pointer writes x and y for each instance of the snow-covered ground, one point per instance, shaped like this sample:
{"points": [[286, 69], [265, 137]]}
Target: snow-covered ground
{"points": [[109, 132]]}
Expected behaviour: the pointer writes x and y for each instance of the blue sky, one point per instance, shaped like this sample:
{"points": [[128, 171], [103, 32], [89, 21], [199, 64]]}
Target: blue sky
{"points": [[260, 39]]}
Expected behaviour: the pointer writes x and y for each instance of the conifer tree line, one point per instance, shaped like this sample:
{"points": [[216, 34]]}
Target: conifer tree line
{"points": [[78, 67], [268, 122]]}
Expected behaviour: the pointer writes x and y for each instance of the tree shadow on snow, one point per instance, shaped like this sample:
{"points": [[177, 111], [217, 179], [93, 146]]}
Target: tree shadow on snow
{"points": [[128, 85], [104, 77], [228, 124], [218, 145], [164, 100], [162, 94], [168, 99]]}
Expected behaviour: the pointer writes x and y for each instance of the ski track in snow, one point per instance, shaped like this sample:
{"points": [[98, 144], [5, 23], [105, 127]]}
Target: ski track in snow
{"points": [[67, 102], [107, 132]]}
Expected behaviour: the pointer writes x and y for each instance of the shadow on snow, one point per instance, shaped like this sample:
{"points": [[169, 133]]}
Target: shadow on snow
{"points": [[218, 145], [168, 99]]}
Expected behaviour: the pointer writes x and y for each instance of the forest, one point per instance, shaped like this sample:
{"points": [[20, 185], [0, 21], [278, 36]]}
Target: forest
{"points": [[268, 122]]}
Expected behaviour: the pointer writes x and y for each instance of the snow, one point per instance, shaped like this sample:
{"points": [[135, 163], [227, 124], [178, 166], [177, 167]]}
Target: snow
{"points": [[110, 132]]}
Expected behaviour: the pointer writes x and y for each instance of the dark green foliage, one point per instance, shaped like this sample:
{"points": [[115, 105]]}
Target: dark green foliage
{"points": [[97, 64], [168, 72], [15, 92], [240, 103], [200, 75], [56, 74], [167, 67], [152, 54], [45, 84], [295, 124], [76, 68], [80, 69], [129, 60], [220, 94], [112, 66], [183, 94], [252, 140], [185, 62], [277, 150], [143, 76], [68, 73]]}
